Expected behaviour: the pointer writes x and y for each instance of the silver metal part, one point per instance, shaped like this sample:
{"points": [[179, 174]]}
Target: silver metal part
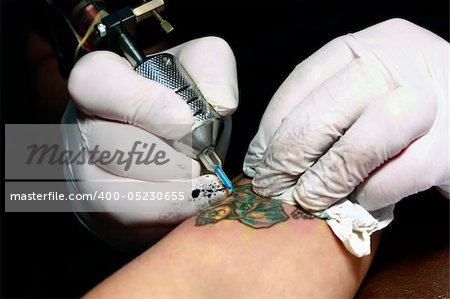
{"points": [[133, 54], [210, 159], [152, 8], [164, 69], [144, 11], [101, 30], [165, 25]]}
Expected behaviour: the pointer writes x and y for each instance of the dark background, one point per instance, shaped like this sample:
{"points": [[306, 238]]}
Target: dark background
{"points": [[53, 255]]}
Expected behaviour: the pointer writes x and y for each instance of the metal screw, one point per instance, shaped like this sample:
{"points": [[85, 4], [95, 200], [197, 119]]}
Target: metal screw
{"points": [[166, 26], [101, 29], [167, 61]]}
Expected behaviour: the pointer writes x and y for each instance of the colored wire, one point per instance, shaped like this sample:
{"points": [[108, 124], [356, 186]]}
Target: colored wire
{"points": [[101, 14]]}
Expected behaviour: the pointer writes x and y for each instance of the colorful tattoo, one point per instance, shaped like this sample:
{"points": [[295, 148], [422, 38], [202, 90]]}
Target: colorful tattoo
{"points": [[246, 207], [300, 213]]}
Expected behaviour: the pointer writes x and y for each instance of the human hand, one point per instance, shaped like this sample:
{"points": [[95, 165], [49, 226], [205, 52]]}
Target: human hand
{"points": [[367, 113], [117, 108]]}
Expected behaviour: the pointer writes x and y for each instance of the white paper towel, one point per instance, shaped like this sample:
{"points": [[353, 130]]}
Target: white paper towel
{"points": [[353, 225]]}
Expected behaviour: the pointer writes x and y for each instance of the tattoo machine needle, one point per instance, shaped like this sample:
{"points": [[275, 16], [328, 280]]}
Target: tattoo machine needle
{"points": [[118, 28], [212, 162]]}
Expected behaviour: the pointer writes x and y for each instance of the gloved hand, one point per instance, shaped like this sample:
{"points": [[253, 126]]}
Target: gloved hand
{"points": [[117, 108], [367, 113]]}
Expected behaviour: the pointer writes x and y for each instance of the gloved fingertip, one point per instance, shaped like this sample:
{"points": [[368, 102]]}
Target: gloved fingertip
{"points": [[165, 114], [248, 170], [182, 112], [93, 64], [263, 186], [261, 189], [94, 79], [311, 200], [360, 196], [372, 196], [270, 182], [222, 96]]}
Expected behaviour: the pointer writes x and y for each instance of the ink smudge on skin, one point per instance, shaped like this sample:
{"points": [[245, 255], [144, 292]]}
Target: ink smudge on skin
{"points": [[209, 188], [195, 193]]}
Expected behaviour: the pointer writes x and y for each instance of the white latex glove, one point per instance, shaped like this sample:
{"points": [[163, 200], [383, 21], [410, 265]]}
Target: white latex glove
{"points": [[116, 108], [368, 111]]}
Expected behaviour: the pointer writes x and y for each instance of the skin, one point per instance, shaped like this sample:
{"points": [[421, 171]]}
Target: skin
{"points": [[227, 258]]}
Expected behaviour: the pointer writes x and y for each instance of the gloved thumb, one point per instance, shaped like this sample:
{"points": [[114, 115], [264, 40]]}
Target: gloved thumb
{"points": [[211, 64], [104, 84]]}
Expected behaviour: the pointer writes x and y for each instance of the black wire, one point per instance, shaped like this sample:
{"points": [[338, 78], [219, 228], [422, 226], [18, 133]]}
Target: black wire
{"points": [[69, 24], [98, 8], [95, 5]]}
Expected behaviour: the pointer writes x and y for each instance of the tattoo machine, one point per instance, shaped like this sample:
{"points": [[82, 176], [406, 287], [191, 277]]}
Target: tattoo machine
{"points": [[118, 29]]}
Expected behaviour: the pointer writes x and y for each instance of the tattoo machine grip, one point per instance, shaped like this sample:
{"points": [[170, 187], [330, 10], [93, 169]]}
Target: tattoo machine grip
{"points": [[165, 69]]}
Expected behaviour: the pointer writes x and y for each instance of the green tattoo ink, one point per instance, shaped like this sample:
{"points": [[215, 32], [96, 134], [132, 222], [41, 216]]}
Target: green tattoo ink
{"points": [[246, 207]]}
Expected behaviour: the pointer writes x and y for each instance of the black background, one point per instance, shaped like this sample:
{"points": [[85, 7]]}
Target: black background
{"points": [[53, 255]]}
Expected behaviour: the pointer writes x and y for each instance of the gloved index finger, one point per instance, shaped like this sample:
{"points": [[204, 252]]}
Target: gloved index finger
{"points": [[211, 64], [317, 122], [104, 84], [307, 76]]}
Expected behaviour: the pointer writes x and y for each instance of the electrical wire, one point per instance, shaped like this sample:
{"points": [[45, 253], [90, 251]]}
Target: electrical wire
{"points": [[101, 14], [59, 12]]}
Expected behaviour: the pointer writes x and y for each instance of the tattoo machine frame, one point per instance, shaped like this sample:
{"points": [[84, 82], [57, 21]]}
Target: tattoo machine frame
{"points": [[118, 29]]}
